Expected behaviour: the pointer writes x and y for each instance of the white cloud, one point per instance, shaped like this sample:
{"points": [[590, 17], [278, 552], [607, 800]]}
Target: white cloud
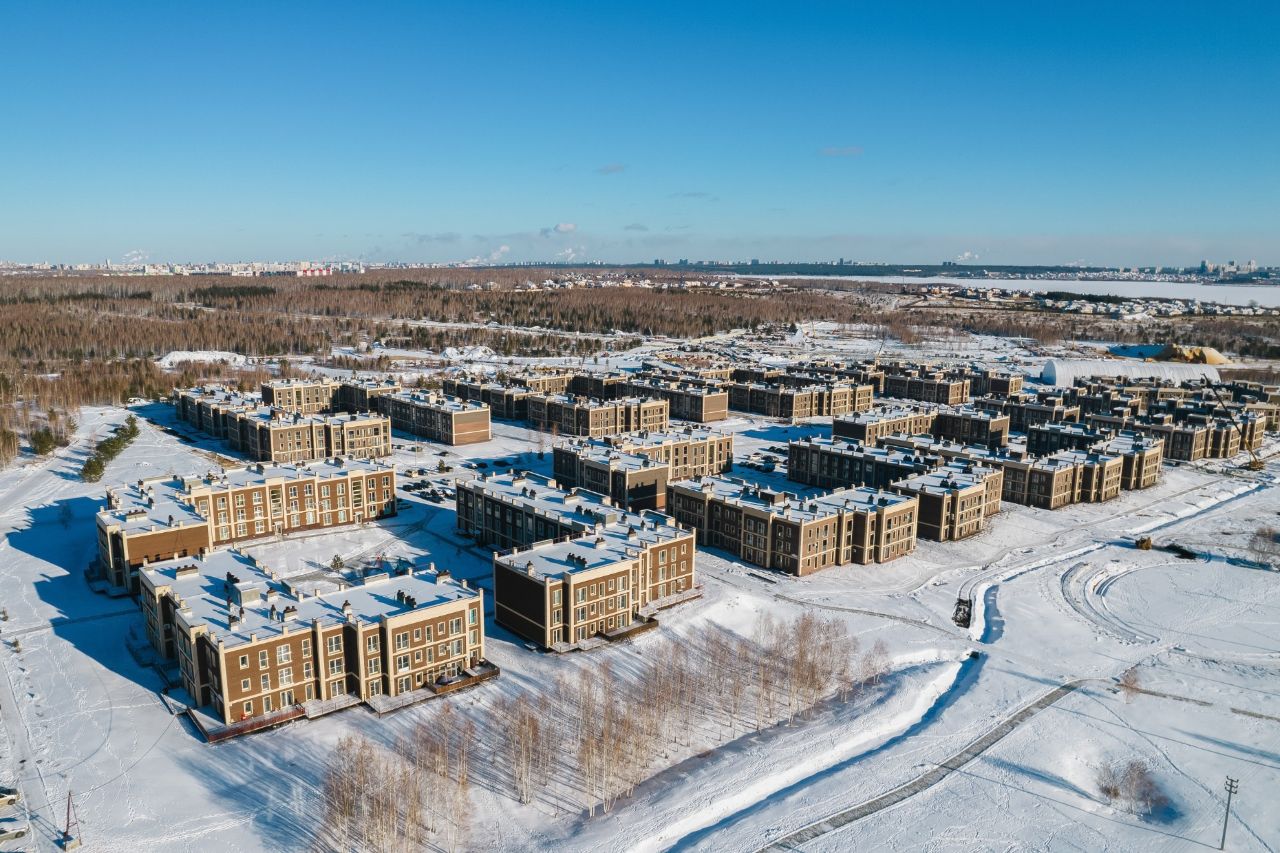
{"points": [[966, 256], [560, 228]]}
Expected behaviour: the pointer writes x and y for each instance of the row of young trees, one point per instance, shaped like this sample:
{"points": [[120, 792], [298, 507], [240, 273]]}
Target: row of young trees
{"points": [[584, 741], [107, 449]]}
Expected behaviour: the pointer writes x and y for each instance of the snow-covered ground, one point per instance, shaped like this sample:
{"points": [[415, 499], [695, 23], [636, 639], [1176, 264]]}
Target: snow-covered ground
{"points": [[1062, 597]]}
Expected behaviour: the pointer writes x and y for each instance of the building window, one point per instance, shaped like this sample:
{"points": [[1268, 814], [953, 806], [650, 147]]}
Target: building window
{"points": [[402, 640], [248, 708], [266, 681], [335, 666], [471, 617], [402, 663], [306, 647], [262, 659], [334, 645], [244, 685], [244, 661], [286, 676], [283, 654], [371, 644]]}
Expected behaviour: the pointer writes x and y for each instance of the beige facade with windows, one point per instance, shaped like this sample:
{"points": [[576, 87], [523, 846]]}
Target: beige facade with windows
{"points": [[173, 517]]}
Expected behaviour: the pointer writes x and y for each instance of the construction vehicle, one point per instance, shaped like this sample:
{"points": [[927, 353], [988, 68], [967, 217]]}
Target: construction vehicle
{"points": [[1255, 463]]}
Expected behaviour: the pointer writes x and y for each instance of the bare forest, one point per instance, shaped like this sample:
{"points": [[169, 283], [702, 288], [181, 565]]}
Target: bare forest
{"points": [[582, 744], [68, 341]]}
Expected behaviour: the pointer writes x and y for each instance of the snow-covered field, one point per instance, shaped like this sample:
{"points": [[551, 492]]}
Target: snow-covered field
{"points": [[1063, 597]]}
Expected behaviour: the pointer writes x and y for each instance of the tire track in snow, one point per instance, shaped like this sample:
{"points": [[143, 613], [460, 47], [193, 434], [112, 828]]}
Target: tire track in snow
{"points": [[796, 840]]}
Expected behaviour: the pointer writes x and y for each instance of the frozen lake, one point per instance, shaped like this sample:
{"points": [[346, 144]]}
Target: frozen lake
{"points": [[1268, 295]]}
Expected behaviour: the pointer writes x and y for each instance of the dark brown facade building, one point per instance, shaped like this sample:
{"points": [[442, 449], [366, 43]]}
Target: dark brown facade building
{"points": [[793, 533], [957, 500], [437, 417]]}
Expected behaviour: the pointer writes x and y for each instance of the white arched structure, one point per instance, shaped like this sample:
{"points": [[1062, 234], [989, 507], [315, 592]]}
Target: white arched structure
{"points": [[1063, 372]]}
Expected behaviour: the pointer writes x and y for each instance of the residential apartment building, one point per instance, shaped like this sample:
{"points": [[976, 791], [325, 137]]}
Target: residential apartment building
{"points": [[956, 500], [508, 402], [595, 385], [794, 402], [632, 481], [437, 417], [835, 463], [304, 396], [571, 564], [1141, 457], [1027, 410], [273, 435], [173, 517], [869, 427], [690, 452], [1184, 442], [253, 647], [1048, 482], [928, 387], [212, 409], [1043, 439], [687, 401], [593, 418], [793, 533], [606, 584], [361, 395]]}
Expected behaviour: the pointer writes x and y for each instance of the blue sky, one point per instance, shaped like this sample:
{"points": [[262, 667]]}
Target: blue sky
{"points": [[1110, 133]]}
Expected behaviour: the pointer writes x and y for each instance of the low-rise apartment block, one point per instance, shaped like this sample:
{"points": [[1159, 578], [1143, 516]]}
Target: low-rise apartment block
{"points": [[835, 463], [687, 401], [606, 584], [957, 500], [928, 387], [1050, 482], [571, 565], [252, 647], [212, 409], [870, 427], [791, 533], [632, 481], [795, 402], [273, 435], [437, 417], [593, 418], [361, 395], [304, 396], [634, 469], [1026, 410], [173, 517], [507, 402], [1142, 456]]}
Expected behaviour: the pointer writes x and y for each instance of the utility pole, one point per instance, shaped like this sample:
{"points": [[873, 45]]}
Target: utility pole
{"points": [[1232, 786], [71, 831]]}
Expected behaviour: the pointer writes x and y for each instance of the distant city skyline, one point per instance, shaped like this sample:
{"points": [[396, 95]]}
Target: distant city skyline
{"points": [[1002, 134]]}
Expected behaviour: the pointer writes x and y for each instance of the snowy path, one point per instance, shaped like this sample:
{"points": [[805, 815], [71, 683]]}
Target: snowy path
{"points": [[797, 839]]}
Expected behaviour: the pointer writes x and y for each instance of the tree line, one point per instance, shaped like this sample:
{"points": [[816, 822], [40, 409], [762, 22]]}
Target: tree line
{"points": [[583, 742]]}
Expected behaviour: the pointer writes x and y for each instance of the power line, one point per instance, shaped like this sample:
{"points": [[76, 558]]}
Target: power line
{"points": [[1232, 786]]}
